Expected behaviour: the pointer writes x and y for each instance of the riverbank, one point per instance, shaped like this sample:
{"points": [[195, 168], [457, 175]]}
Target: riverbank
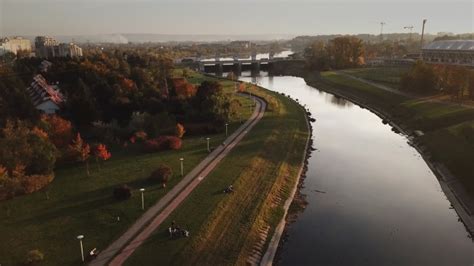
{"points": [[405, 116], [235, 228]]}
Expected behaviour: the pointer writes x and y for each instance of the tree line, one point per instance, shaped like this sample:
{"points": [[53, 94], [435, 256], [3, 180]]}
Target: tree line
{"points": [[112, 98]]}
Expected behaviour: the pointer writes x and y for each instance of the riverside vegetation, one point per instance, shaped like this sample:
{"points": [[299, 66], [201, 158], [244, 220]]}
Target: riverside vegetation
{"points": [[263, 169]]}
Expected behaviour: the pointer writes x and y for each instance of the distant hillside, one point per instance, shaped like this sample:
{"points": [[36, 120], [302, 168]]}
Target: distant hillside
{"points": [[143, 38]]}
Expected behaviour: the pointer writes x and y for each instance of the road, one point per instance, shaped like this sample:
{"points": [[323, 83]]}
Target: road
{"points": [[122, 248]]}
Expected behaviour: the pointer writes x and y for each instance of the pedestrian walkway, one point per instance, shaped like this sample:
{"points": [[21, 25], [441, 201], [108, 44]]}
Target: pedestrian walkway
{"points": [[126, 244]]}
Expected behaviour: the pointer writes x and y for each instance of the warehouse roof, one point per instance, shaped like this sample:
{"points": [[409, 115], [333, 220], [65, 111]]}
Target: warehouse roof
{"points": [[455, 45]]}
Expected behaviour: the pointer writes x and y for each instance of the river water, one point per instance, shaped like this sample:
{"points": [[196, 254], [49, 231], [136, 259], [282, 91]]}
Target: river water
{"points": [[372, 200]]}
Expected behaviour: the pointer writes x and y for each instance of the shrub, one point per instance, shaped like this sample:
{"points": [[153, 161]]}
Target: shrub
{"points": [[163, 143], [32, 183], [174, 143], [34, 256], [122, 192], [162, 174]]}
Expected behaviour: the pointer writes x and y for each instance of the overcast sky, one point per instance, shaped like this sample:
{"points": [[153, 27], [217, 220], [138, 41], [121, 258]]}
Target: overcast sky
{"points": [[73, 17]]}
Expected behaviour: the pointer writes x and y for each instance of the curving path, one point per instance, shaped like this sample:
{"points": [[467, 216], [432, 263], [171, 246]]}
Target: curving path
{"points": [[122, 248]]}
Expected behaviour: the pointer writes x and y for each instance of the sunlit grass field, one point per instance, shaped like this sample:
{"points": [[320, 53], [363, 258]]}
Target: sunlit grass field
{"points": [[224, 227]]}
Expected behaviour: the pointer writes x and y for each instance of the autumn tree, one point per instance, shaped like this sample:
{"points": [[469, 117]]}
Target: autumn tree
{"points": [[470, 86], [81, 150], [338, 53], [180, 130], [30, 148], [234, 107], [162, 174], [101, 153], [421, 78], [59, 130]]}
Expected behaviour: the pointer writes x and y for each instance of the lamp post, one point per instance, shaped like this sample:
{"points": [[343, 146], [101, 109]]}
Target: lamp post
{"points": [[181, 160], [142, 190], [80, 237], [226, 129], [208, 148], [422, 35]]}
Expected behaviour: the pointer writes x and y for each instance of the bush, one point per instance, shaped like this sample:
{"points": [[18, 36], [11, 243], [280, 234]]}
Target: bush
{"points": [[174, 143], [122, 192], [163, 143], [162, 174], [34, 256], [32, 183]]}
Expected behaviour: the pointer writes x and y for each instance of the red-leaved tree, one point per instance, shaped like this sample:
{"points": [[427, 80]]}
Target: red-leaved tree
{"points": [[81, 150], [101, 153]]}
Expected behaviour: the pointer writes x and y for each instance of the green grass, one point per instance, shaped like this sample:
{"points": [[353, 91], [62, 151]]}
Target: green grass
{"points": [[262, 168], [73, 204], [389, 76], [444, 124]]}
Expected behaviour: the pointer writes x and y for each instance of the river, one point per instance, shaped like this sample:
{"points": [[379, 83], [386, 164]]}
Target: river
{"points": [[372, 199]]}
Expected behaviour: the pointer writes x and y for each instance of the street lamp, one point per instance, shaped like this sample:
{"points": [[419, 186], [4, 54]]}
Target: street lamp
{"points": [[142, 190], [226, 129], [182, 166], [422, 35], [208, 148], [80, 237]]}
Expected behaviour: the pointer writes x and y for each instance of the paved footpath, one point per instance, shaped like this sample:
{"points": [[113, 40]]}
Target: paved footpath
{"points": [[122, 248]]}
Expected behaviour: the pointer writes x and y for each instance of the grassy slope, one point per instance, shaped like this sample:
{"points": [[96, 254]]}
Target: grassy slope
{"points": [[389, 76], [79, 204], [224, 228], [442, 123]]}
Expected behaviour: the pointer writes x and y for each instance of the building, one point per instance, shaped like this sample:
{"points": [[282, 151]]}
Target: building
{"points": [[48, 47], [14, 45], [45, 97], [454, 52], [240, 44]]}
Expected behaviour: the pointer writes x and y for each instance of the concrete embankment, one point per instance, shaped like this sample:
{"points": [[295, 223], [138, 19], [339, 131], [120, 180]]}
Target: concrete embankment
{"points": [[275, 242]]}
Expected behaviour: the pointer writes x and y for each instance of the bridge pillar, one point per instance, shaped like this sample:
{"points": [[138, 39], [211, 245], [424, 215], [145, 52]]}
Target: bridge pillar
{"points": [[201, 67], [270, 68], [255, 67], [238, 68], [271, 55], [219, 68], [254, 55]]}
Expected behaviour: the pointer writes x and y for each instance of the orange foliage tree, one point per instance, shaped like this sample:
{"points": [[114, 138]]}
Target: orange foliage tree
{"points": [[241, 87], [180, 130], [82, 151], [59, 130], [101, 153]]}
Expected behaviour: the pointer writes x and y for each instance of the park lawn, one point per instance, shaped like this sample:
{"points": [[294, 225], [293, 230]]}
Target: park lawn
{"points": [[263, 168], [389, 76], [73, 204], [343, 81], [440, 122]]}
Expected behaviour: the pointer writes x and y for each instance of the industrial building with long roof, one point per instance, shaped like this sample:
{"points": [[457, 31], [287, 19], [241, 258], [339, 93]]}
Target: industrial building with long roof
{"points": [[456, 52]]}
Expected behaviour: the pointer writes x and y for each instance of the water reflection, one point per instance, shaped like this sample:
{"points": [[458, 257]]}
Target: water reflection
{"points": [[382, 204], [338, 100]]}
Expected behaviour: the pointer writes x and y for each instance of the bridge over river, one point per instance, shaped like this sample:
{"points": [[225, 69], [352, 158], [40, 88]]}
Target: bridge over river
{"points": [[237, 65]]}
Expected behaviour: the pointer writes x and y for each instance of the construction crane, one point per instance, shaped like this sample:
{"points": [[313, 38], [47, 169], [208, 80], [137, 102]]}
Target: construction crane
{"points": [[409, 28], [381, 30]]}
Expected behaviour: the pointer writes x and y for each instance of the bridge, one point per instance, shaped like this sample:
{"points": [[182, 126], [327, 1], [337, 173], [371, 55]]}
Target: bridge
{"points": [[237, 64]]}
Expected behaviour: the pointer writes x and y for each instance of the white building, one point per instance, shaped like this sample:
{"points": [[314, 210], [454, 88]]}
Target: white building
{"points": [[14, 45], [48, 47], [45, 97], [454, 52]]}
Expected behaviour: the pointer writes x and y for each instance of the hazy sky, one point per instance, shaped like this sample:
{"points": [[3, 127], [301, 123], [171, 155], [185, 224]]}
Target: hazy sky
{"points": [[71, 17]]}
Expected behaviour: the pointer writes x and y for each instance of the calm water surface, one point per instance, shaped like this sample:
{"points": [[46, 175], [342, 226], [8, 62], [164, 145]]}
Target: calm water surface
{"points": [[372, 198]]}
